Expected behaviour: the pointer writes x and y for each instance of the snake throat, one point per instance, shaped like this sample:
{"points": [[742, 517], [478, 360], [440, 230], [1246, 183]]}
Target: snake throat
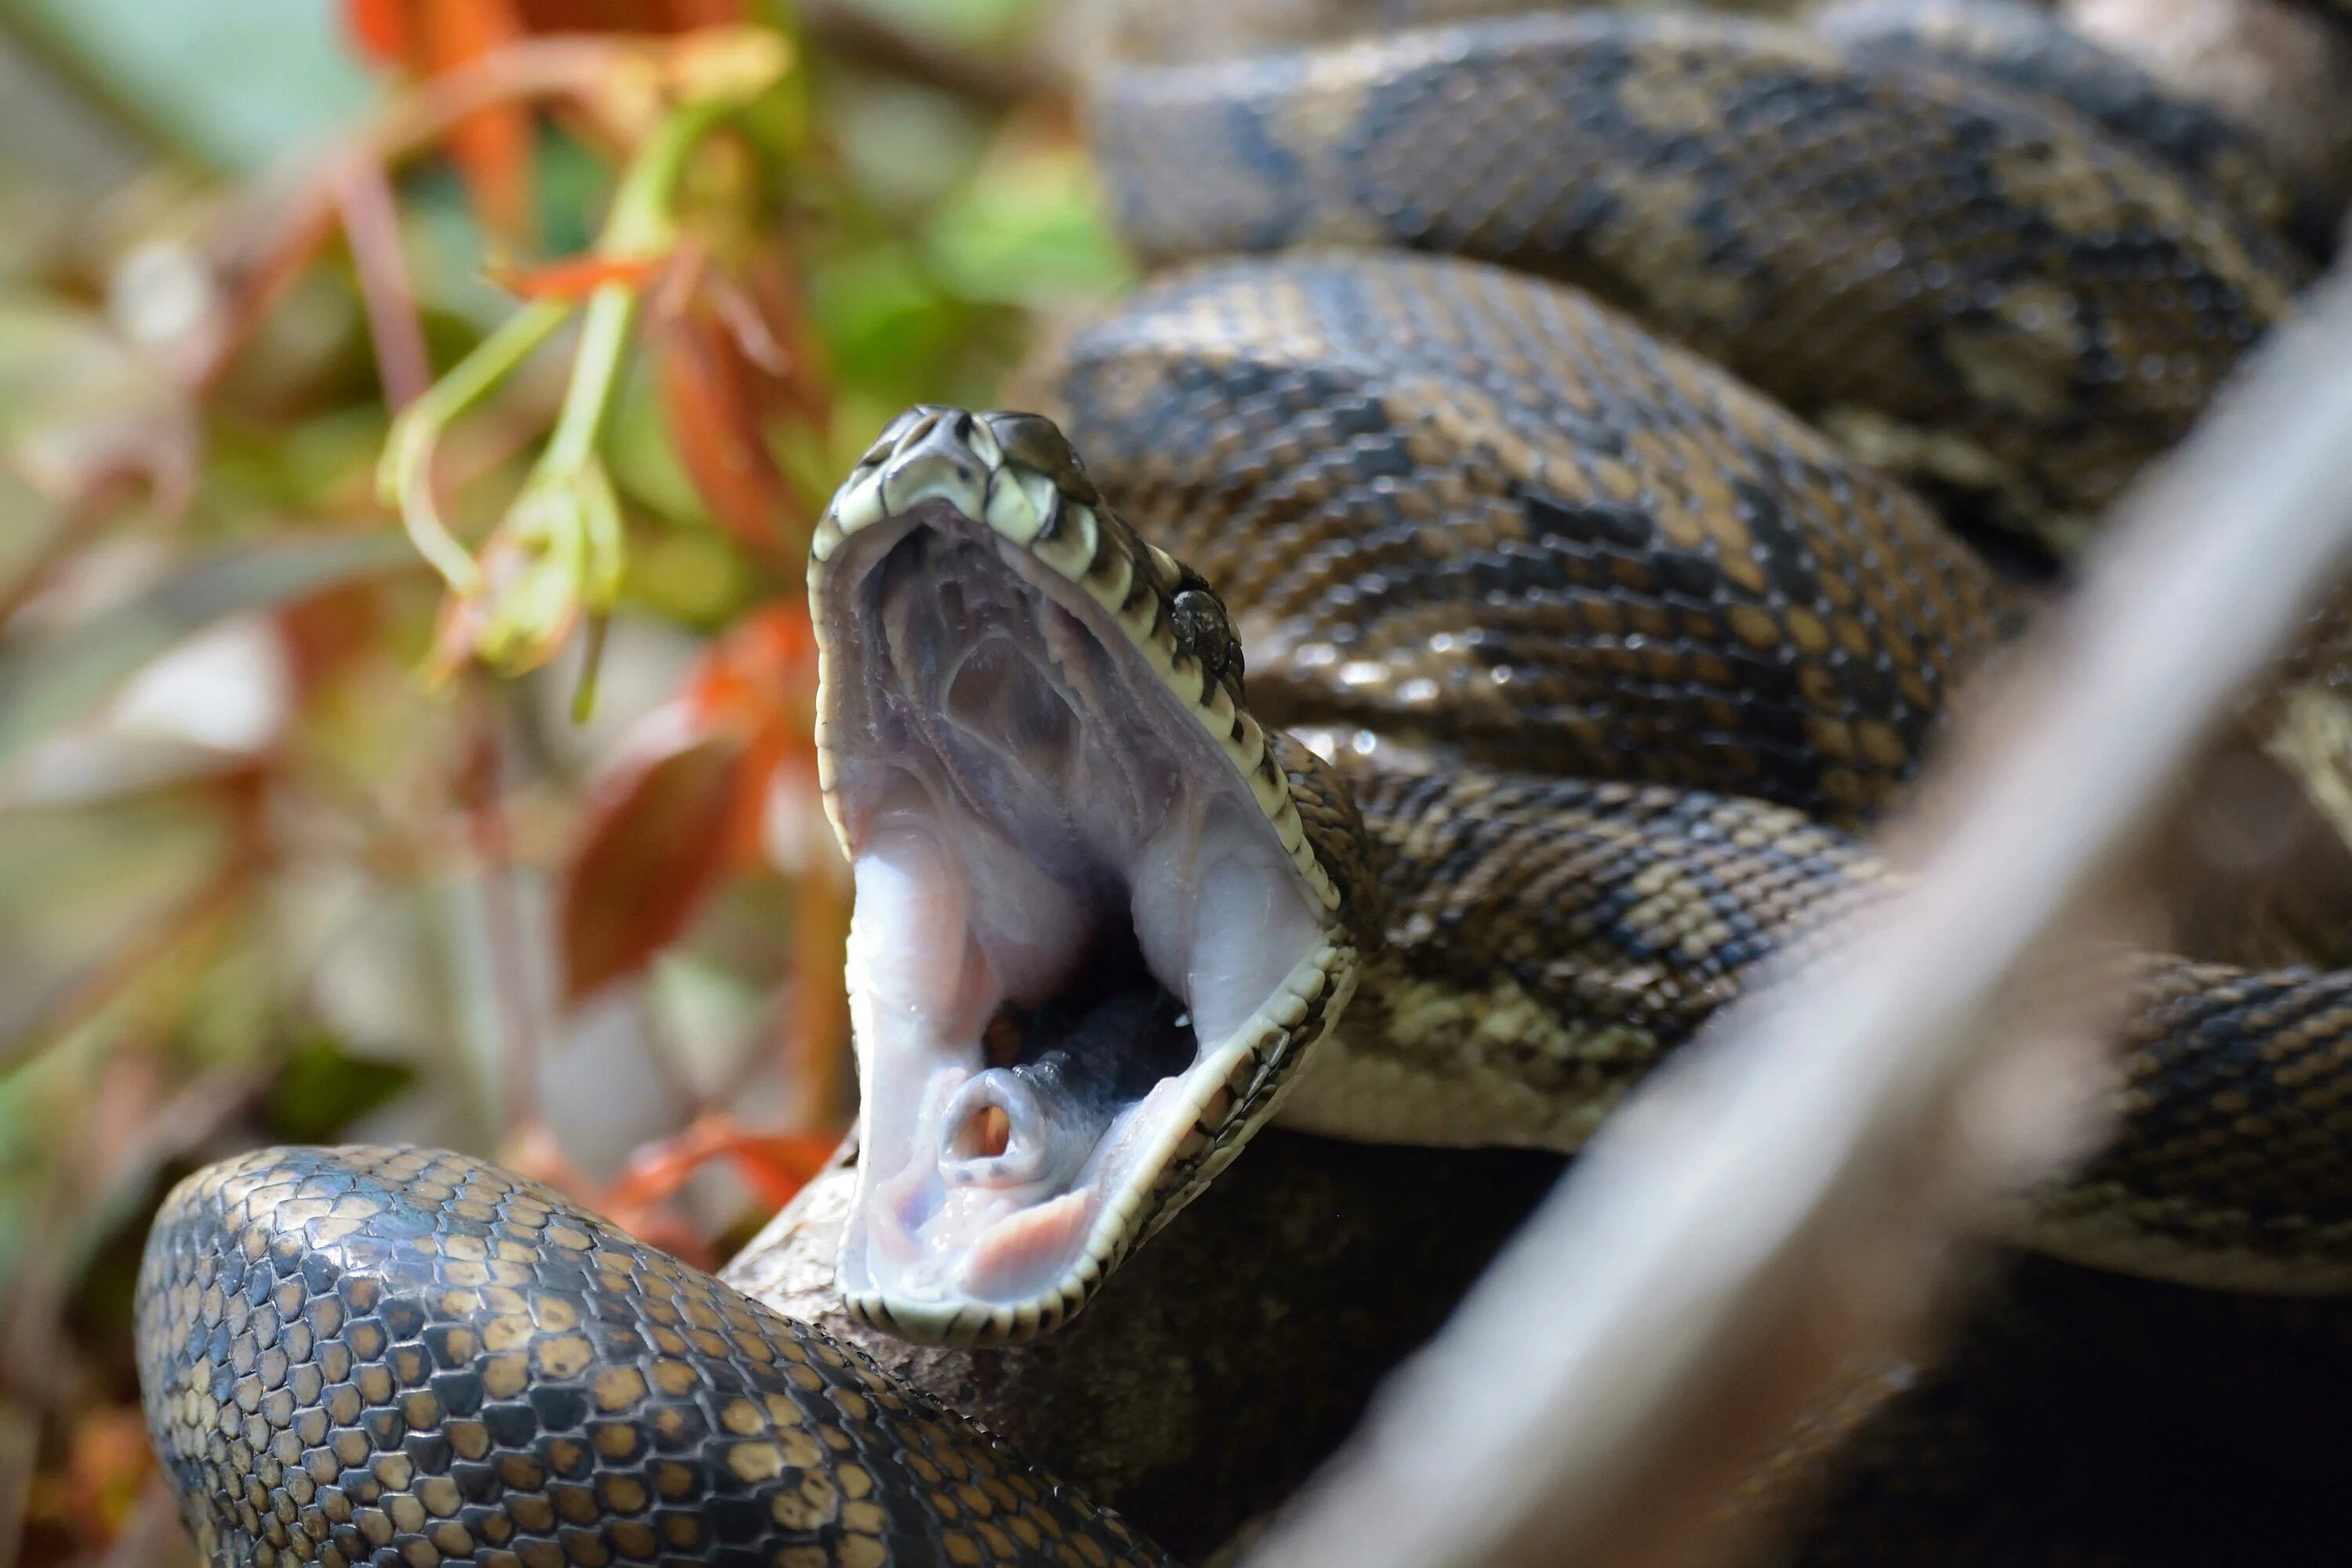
{"points": [[1090, 932]]}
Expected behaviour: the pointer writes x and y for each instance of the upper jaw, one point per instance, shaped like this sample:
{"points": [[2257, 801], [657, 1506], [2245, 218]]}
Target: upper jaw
{"points": [[1089, 937]]}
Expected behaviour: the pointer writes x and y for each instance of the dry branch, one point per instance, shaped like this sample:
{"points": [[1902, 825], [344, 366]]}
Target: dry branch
{"points": [[263, 240], [1776, 1210]]}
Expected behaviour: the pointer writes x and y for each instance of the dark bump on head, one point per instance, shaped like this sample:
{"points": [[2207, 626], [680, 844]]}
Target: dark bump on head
{"points": [[1204, 630], [1035, 442]]}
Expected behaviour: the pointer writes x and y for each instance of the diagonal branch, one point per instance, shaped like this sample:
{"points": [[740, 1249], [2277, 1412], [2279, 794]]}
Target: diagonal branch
{"points": [[1751, 1225]]}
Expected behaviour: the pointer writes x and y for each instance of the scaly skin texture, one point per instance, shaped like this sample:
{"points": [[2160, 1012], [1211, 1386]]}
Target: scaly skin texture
{"points": [[1548, 941], [2023, 45], [1981, 291], [1521, 949], [1442, 501], [404, 1356]]}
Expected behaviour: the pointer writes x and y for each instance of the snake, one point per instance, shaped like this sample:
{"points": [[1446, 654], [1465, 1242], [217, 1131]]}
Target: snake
{"points": [[1445, 635]]}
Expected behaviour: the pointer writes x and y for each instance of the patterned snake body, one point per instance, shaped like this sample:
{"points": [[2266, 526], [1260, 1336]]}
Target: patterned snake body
{"points": [[1521, 589], [410, 1358], [1976, 289], [2029, 51], [1456, 506]]}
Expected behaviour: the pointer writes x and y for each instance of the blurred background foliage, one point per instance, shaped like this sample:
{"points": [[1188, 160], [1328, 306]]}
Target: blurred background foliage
{"points": [[300, 839]]}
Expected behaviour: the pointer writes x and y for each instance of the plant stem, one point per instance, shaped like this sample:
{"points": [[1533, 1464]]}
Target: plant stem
{"points": [[640, 223], [405, 476]]}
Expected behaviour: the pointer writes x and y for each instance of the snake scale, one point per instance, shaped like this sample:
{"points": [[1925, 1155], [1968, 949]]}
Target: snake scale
{"points": [[1430, 699]]}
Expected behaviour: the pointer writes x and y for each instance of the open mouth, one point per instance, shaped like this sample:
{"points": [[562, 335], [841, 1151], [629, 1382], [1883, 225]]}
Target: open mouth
{"points": [[1082, 938]]}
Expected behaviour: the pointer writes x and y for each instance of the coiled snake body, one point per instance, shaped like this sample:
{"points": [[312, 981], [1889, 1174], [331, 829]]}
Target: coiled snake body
{"points": [[1572, 665]]}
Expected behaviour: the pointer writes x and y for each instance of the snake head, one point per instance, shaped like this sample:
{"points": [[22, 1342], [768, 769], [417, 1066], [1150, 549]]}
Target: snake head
{"points": [[1092, 938]]}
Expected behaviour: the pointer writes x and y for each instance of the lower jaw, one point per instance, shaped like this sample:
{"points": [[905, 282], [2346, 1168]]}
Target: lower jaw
{"points": [[1253, 1073]]}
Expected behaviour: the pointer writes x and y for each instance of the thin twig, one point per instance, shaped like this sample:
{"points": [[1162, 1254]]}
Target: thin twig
{"points": [[510, 957], [63, 536], [268, 239], [372, 227], [215, 901], [1755, 1222], [20, 1436]]}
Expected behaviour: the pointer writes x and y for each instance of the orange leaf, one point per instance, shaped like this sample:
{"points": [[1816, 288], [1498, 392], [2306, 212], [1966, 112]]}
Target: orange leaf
{"points": [[709, 395], [762, 671], [660, 830], [106, 1464], [777, 1165], [628, 16], [379, 28], [771, 298], [491, 147], [575, 277], [816, 1019], [682, 800], [387, 30], [774, 1165]]}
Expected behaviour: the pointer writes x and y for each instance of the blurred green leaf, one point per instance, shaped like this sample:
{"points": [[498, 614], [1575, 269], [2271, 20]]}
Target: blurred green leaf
{"points": [[47, 684], [1029, 229], [642, 460], [63, 156], [322, 1089], [903, 146], [982, 24], [77, 404], [697, 579], [889, 323], [76, 884], [318, 467], [234, 83]]}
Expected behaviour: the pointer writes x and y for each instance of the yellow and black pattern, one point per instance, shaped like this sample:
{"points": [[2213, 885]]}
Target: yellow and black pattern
{"points": [[1450, 502], [2232, 1160], [1988, 293], [406, 1357], [1549, 941], [2026, 47]]}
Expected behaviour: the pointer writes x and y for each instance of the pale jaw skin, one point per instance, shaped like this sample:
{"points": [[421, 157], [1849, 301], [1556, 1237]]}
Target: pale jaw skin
{"points": [[1075, 925]]}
